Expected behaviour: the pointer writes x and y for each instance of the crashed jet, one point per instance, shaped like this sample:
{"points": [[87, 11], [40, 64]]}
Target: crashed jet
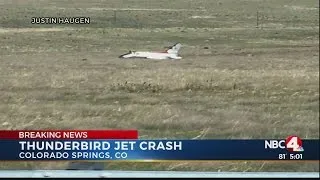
{"points": [[170, 53]]}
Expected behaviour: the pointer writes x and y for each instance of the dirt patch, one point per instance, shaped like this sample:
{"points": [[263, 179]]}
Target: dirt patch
{"points": [[127, 9], [202, 17], [24, 30], [297, 8]]}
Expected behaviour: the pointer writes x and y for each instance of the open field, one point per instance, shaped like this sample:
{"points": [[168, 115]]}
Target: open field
{"points": [[235, 80]]}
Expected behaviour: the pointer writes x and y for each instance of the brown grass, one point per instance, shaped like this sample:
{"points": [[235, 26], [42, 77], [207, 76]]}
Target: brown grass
{"points": [[248, 83]]}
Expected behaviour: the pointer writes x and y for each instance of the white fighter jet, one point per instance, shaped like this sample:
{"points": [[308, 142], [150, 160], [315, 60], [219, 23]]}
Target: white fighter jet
{"points": [[170, 53]]}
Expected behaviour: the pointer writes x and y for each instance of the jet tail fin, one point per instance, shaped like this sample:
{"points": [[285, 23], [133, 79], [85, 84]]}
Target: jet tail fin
{"points": [[174, 49]]}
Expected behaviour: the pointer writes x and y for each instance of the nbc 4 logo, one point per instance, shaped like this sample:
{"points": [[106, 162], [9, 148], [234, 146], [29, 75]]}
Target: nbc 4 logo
{"points": [[294, 144]]}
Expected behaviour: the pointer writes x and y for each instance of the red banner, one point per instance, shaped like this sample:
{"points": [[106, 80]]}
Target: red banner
{"points": [[68, 134]]}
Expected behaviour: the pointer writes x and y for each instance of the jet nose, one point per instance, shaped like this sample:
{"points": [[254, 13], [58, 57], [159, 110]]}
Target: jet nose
{"points": [[122, 56]]}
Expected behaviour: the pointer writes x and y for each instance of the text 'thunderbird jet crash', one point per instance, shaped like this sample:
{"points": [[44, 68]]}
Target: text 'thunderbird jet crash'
{"points": [[170, 53]]}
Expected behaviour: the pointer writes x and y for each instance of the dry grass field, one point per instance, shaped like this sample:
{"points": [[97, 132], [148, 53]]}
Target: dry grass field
{"points": [[236, 80]]}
